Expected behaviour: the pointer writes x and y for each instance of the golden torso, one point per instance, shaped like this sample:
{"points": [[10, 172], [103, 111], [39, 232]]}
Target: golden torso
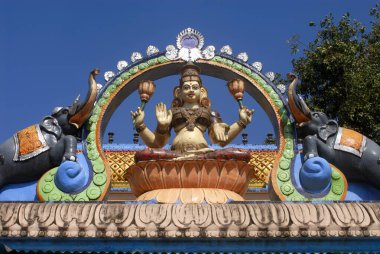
{"points": [[187, 140], [190, 125]]}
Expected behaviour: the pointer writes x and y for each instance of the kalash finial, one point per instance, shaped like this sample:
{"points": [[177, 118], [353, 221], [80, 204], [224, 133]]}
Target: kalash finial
{"points": [[146, 91], [236, 88]]}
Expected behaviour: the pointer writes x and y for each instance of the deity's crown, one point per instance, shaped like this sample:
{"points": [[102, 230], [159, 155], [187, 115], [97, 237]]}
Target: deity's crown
{"points": [[190, 72]]}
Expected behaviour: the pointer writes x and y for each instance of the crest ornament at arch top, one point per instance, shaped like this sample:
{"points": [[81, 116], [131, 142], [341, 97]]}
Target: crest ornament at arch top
{"points": [[222, 64]]}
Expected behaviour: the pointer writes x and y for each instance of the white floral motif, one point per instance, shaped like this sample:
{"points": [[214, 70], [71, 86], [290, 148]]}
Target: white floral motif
{"points": [[282, 88], [243, 56], [270, 75], [190, 54], [108, 75], [136, 56], [151, 50], [171, 52], [209, 52], [121, 65], [258, 66], [226, 50]]}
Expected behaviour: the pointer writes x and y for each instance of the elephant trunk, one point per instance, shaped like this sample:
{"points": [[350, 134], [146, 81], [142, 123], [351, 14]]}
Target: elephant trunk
{"points": [[297, 105], [80, 112]]}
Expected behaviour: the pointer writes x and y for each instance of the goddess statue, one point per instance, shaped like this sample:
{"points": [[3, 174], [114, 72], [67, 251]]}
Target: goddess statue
{"points": [[190, 116]]}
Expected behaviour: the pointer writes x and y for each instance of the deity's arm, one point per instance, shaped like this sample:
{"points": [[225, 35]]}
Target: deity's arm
{"points": [[222, 134], [161, 136], [155, 139], [216, 129], [233, 131]]}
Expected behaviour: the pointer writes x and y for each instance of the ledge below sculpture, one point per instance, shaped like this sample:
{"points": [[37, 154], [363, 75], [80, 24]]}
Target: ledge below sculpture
{"points": [[265, 226]]}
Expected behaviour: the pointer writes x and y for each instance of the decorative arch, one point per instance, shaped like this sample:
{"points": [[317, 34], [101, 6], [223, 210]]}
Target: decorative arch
{"points": [[222, 66]]}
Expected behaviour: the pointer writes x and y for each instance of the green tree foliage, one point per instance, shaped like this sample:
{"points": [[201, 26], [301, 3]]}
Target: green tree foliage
{"points": [[340, 72]]}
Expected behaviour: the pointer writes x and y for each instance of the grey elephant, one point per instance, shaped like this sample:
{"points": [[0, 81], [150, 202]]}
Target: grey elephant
{"points": [[357, 156], [34, 150]]}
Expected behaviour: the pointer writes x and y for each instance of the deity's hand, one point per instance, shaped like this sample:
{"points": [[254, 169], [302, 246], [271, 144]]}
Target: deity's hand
{"points": [[245, 115], [138, 117], [220, 132], [164, 117]]}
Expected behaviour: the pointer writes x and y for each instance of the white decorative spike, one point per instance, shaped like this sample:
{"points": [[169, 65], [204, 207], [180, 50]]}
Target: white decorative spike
{"points": [[171, 52], [243, 56], [282, 88], [209, 52], [151, 50], [121, 65], [136, 56], [258, 66], [270, 75], [226, 50], [108, 75]]}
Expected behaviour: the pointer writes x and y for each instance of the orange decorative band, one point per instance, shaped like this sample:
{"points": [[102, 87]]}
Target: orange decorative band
{"points": [[350, 141], [29, 143]]}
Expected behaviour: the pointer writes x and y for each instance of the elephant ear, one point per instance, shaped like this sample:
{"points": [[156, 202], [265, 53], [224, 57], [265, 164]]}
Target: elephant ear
{"points": [[50, 125], [328, 130]]}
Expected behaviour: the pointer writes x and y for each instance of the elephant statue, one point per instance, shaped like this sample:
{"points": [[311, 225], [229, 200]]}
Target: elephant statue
{"points": [[29, 153], [357, 156]]}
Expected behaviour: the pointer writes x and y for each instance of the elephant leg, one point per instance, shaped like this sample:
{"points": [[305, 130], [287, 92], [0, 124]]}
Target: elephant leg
{"points": [[369, 166], [314, 147], [70, 148]]}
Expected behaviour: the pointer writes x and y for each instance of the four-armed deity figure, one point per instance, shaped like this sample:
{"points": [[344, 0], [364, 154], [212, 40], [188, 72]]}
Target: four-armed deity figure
{"points": [[190, 116]]}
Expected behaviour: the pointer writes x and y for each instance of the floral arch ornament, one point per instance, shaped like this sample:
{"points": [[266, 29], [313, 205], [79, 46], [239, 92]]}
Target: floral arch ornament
{"points": [[222, 65]]}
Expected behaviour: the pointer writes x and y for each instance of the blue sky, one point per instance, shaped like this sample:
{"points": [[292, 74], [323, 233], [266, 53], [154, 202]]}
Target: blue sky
{"points": [[47, 49]]}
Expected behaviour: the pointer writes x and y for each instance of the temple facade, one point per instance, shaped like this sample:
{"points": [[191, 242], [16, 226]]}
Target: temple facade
{"points": [[65, 191]]}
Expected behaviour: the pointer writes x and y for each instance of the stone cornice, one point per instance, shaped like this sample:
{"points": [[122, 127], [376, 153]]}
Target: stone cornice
{"points": [[245, 220]]}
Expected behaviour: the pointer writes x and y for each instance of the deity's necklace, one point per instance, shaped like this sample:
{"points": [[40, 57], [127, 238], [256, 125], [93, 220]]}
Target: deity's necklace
{"points": [[191, 116]]}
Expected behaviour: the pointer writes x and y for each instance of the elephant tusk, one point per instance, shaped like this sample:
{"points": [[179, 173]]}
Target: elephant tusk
{"points": [[297, 105], [74, 107], [83, 112]]}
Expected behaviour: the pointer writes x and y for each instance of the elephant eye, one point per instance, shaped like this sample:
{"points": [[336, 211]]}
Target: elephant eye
{"points": [[316, 115], [65, 111]]}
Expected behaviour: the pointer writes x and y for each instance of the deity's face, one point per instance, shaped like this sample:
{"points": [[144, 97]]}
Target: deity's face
{"points": [[191, 91]]}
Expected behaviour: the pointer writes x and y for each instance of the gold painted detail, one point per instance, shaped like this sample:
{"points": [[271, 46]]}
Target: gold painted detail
{"points": [[262, 164], [120, 161], [29, 143]]}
